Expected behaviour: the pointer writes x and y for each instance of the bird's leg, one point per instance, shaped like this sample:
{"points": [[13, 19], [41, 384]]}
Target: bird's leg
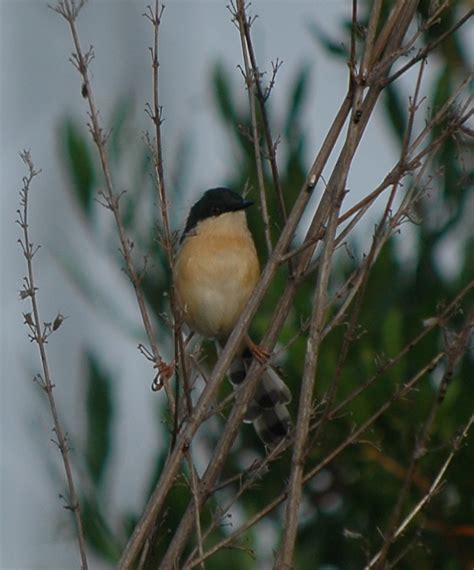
{"points": [[259, 353], [165, 372]]}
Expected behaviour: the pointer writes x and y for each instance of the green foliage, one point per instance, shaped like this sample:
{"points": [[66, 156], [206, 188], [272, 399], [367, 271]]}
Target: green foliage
{"points": [[98, 533], [98, 447], [331, 45], [396, 110], [137, 206], [99, 407], [79, 159]]}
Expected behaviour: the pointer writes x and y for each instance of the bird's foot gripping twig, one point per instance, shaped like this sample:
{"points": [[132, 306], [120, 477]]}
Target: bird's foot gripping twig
{"points": [[165, 372], [259, 353]]}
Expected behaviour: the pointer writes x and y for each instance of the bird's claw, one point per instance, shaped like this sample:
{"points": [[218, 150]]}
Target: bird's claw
{"points": [[165, 372], [260, 354]]}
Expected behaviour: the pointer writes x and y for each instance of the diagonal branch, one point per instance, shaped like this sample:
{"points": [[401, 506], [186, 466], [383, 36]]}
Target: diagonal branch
{"points": [[268, 342], [454, 352], [250, 79], [354, 435], [69, 10], [244, 26], [171, 468], [432, 491], [306, 396]]}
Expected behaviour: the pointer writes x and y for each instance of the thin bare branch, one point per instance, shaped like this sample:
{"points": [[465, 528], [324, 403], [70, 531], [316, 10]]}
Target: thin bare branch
{"points": [[250, 80], [246, 393], [245, 23], [430, 47], [304, 410], [39, 334], [353, 437], [432, 491], [69, 10], [454, 352]]}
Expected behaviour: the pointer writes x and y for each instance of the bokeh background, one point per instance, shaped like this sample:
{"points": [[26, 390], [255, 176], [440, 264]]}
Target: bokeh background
{"points": [[103, 383]]}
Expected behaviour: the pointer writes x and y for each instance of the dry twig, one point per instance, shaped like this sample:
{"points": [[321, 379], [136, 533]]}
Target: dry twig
{"points": [[69, 10], [39, 333]]}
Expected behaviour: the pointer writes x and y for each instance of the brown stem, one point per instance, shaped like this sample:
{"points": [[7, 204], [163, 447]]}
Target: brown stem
{"points": [[40, 337], [261, 98], [69, 11], [250, 79]]}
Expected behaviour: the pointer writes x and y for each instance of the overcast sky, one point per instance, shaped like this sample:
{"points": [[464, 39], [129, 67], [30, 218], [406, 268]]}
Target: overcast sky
{"points": [[39, 87]]}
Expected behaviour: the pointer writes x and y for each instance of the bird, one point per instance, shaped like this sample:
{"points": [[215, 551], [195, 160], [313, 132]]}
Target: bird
{"points": [[216, 270]]}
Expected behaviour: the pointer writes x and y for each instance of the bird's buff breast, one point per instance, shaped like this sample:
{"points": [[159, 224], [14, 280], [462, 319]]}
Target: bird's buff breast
{"points": [[214, 280]]}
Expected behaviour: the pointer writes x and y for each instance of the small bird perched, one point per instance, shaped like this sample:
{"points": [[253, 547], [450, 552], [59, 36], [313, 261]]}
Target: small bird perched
{"points": [[216, 271]]}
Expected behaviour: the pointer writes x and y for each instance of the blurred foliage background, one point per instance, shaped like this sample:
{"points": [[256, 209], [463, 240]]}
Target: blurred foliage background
{"points": [[348, 505]]}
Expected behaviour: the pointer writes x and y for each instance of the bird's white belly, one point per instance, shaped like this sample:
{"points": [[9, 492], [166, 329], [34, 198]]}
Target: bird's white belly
{"points": [[214, 289], [216, 306]]}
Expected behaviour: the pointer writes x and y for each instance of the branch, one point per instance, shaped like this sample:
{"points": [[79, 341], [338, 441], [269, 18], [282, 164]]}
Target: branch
{"points": [[171, 468], [268, 342], [355, 434], [39, 333], [430, 47], [250, 80], [155, 112], [336, 411], [455, 349], [306, 396], [433, 490], [244, 27], [69, 10], [284, 305]]}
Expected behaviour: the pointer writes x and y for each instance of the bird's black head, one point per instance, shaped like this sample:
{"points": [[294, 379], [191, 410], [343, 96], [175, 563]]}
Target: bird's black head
{"points": [[215, 202]]}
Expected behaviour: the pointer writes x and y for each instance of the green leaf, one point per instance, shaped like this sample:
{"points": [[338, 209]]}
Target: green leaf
{"points": [[443, 87], [98, 533], [396, 112], [120, 118], [299, 92], [334, 47], [75, 268], [223, 95], [100, 409], [79, 164]]}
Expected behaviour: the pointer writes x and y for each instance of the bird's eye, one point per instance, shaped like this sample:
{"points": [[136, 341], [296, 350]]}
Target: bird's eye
{"points": [[216, 210]]}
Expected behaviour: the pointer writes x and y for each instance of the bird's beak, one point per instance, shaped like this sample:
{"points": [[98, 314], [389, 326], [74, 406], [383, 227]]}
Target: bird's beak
{"points": [[247, 203]]}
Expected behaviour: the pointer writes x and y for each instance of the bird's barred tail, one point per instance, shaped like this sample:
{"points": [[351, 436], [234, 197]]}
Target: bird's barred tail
{"points": [[267, 411]]}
